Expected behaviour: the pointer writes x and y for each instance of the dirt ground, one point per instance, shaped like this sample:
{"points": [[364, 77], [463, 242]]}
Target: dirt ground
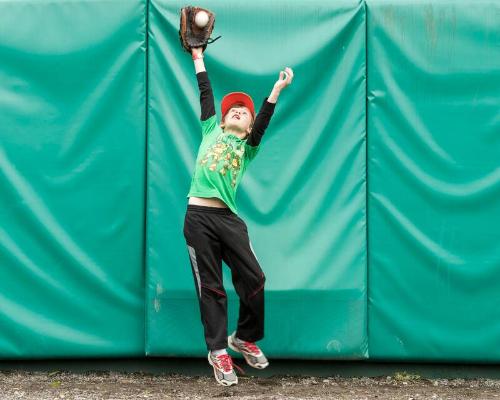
{"points": [[115, 385]]}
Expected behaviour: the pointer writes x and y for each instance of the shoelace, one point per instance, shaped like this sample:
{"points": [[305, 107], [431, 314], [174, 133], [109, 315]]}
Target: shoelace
{"points": [[226, 362], [239, 368], [251, 347]]}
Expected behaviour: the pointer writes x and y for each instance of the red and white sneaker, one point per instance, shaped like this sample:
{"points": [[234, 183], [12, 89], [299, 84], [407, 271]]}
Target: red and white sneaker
{"points": [[250, 351], [223, 369]]}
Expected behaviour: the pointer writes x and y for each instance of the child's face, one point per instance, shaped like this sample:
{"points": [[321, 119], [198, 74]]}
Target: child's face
{"points": [[238, 118]]}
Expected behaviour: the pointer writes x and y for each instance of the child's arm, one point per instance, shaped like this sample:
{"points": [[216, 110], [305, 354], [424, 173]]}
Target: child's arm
{"points": [[206, 94], [267, 109], [262, 120]]}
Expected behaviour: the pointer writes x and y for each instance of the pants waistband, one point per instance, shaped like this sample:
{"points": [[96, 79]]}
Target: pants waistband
{"points": [[216, 210]]}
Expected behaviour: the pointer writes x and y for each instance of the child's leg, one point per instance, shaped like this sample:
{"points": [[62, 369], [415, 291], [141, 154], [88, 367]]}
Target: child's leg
{"points": [[204, 251], [248, 279]]}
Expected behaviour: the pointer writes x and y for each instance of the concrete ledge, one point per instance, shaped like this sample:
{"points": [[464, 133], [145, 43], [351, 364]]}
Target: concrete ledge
{"points": [[200, 367]]}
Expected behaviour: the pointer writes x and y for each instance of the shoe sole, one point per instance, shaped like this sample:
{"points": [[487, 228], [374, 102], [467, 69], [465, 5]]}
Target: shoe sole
{"points": [[235, 348], [222, 382]]}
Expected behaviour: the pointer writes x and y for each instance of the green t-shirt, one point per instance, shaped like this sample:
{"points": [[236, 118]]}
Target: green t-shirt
{"points": [[221, 162]]}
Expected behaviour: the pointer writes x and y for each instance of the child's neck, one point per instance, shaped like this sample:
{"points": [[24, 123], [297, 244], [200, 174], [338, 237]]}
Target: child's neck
{"points": [[240, 134]]}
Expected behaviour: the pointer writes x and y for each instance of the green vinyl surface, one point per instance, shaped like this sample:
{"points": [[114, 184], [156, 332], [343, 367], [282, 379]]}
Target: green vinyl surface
{"points": [[373, 205], [303, 196], [72, 159], [434, 180]]}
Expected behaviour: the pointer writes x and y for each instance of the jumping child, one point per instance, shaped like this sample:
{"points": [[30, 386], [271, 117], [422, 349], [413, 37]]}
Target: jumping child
{"points": [[214, 231]]}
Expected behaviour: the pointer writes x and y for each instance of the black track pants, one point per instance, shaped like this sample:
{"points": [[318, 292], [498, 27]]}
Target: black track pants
{"points": [[214, 234]]}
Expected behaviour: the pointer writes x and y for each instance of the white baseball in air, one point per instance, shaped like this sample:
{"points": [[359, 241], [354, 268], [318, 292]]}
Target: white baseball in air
{"points": [[201, 19]]}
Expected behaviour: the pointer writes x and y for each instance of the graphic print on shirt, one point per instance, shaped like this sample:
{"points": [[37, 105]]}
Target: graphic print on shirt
{"points": [[224, 156]]}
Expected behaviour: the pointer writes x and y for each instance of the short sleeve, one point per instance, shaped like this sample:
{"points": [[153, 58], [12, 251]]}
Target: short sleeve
{"points": [[208, 125], [251, 151]]}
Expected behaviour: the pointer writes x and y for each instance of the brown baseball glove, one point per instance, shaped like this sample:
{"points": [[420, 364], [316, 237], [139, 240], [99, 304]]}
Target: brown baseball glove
{"points": [[190, 34]]}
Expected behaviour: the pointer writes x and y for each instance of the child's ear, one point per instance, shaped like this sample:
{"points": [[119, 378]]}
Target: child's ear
{"points": [[249, 129]]}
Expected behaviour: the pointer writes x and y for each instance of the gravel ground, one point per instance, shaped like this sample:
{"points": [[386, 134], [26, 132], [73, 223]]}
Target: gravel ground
{"points": [[114, 385]]}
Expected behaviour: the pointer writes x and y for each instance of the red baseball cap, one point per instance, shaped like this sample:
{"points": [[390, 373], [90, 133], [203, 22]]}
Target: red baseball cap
{"points": [[237, 97]]}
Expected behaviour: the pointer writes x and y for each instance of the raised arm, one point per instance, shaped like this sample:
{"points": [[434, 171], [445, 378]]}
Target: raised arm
{"points": [[267, 109], [206, 94], [261, 121]]}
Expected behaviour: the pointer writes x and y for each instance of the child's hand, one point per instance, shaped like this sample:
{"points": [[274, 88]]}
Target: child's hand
{"points": [[285, 79]]}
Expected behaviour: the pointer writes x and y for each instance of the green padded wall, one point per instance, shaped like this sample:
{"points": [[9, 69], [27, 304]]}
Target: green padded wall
{"points": [[434, 180], [72, 160], [303, 197], [81, 108]]}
